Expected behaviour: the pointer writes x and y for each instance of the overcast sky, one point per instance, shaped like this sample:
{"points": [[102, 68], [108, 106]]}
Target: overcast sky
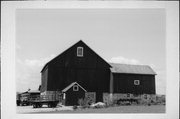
{"points": [[131, 36]]}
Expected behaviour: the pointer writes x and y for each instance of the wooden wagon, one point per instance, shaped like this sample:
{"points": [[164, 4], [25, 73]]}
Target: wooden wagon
{"points": [[49, 100]]}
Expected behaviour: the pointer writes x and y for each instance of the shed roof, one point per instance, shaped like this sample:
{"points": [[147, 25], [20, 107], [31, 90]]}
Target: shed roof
{"points": [[72, 84], [132, 69]]}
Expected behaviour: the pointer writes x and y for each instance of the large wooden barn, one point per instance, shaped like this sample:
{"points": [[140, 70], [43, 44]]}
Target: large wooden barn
{"points": [[82, 65]]}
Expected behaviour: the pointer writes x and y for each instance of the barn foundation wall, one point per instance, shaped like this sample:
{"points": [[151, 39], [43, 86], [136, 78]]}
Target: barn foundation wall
{"points": [[109, 98]]}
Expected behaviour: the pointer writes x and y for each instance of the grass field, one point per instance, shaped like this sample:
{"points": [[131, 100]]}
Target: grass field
{"points": [[118, 109], [125, 109], [122, 109]]}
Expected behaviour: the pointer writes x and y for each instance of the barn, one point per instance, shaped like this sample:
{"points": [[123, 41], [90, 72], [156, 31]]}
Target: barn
{"points": [[92, 73]]}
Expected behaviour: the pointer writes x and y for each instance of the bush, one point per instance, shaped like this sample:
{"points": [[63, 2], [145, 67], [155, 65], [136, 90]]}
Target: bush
{"points": [[75, 107], [84, 103], [81, 102]]}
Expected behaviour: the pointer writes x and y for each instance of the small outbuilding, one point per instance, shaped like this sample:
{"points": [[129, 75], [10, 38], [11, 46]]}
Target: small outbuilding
{"points": [[134, 79], [72, 93]]}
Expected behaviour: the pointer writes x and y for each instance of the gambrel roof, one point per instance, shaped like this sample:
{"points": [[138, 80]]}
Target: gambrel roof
{"points": [[132, 69]]}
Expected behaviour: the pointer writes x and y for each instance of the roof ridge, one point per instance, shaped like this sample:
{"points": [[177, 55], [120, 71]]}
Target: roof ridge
{"points": [[129, 64]]}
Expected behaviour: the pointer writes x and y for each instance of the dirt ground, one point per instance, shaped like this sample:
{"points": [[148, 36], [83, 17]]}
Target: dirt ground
{"points": [[117, 109]]}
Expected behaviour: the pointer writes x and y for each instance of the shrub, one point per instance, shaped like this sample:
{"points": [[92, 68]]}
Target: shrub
{"points": [[75, 107], [81, 102], [84, 103]]}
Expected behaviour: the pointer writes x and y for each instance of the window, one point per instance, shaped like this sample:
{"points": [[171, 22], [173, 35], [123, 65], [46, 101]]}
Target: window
{"points": [[80, 51], [75, 88], [136, 82]]}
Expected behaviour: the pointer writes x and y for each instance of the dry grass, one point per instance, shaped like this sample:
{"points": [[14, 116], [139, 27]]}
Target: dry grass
{"points": [[118, 109], [124, 109]]}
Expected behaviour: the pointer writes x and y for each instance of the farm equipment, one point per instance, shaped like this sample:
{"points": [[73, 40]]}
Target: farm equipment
{"points": [[18, 99], [23, 99], [40, 100]]}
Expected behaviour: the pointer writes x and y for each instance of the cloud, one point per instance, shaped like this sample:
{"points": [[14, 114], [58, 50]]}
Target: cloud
{"points": [[18, 46], [28, 72], [123, 60], [161, 81], [38, 62]]}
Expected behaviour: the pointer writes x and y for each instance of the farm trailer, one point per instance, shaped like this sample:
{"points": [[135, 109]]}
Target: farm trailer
{"points": [[49, 100]]}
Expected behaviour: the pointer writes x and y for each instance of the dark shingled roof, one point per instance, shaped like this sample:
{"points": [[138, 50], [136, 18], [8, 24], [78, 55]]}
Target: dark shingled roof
{"points": [[132, 69]]}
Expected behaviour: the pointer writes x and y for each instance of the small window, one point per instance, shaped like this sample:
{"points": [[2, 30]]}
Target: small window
{"points": [[136, 82], [80, 51], [75, 88]]}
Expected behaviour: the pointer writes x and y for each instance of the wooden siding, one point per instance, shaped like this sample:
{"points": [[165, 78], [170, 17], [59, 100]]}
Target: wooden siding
{"points": [[90, 71], [93, 73], [90, 59], [44, 79], [124, 83], [93, 80], [72, 97]]}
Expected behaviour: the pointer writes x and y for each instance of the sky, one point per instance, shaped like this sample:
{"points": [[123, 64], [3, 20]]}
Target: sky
{"points": [[130, 36]]}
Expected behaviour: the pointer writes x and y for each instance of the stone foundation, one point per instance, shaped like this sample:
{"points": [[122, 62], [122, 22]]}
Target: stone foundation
{"points": [[143, 98], [90, 96]]}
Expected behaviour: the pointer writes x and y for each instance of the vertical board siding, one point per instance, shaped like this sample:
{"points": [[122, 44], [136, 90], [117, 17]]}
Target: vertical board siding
{"points": [[93, 73], [124, 83], [91, 79], [72, 97], [90, 71], [44, 79]]}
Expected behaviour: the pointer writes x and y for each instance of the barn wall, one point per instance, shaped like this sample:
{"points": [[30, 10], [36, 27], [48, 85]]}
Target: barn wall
{"points": [[124, 83], [90, 59], [92, 80], [90, 71], [56, 79], [44, 79]]}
